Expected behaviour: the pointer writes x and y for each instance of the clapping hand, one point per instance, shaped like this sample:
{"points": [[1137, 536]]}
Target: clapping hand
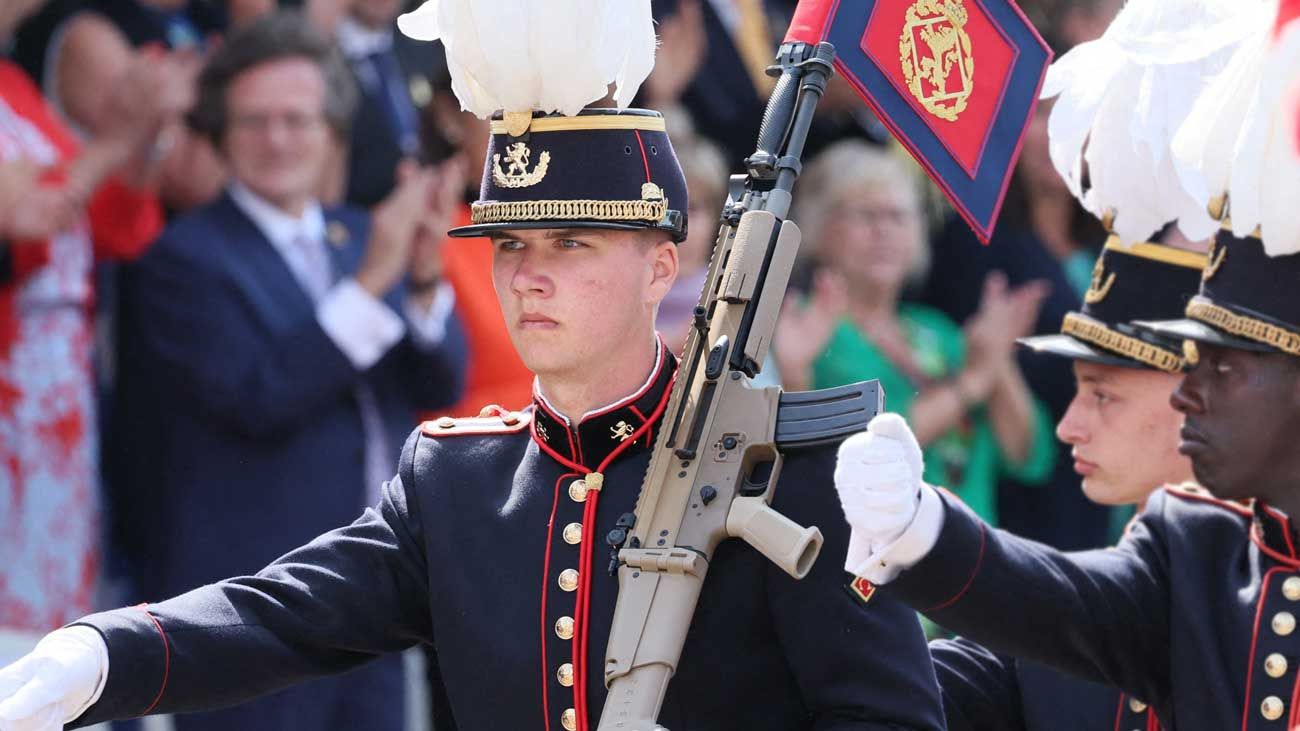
{"points": [[1005, 314], [683, 44], [30, 211], [407, 227], [426, 251], [805, 329]]}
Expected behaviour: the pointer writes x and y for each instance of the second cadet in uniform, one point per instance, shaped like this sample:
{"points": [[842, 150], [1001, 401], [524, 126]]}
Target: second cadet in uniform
{"points": [[1125, 439]]}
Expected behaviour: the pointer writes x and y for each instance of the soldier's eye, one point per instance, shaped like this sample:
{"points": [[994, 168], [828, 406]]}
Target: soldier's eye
{"points": [[509, 245], [570, 244]]}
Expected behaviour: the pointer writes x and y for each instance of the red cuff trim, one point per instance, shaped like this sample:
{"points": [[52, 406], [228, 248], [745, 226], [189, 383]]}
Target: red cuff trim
{"points": [[979, 561], [167, 659]]}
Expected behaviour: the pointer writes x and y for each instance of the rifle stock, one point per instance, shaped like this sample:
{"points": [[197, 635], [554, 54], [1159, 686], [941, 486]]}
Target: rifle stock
{"points": [[718, 457]]}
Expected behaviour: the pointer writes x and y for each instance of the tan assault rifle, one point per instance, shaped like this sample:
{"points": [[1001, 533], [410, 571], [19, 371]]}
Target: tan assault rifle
{"points": [[717, 457]]}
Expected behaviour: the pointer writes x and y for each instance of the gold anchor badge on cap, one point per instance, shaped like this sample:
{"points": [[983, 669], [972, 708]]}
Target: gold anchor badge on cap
{"points": [[1098, 290], [1217, 254]]}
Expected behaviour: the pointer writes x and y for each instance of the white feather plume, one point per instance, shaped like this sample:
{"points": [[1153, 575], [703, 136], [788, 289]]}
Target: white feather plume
{"points": [[1241, 137], [1122, 98], [547, 55], [1280, 174]]}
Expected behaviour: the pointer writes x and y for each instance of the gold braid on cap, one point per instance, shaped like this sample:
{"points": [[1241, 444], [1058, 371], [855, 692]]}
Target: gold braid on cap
{"points": [[572, 210], [1128, 346], [1242, 326]]}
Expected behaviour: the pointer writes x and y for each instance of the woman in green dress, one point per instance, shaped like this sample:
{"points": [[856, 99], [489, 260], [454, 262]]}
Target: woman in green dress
{"points": [[958, 386]]}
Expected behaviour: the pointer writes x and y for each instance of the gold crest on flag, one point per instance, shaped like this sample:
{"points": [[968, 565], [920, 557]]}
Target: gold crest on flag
{"points": [[935, 52]]}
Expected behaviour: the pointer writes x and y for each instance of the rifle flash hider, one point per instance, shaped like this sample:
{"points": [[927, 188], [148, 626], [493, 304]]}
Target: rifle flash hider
{"points": [[784, 542]]}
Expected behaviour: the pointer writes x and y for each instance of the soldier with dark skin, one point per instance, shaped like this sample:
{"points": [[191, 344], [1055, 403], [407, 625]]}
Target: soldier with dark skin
{"points": [[1241, 415]]}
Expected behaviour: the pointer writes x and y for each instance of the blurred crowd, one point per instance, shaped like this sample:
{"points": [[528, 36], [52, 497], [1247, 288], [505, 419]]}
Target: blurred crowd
{"points": [[226, 297]]}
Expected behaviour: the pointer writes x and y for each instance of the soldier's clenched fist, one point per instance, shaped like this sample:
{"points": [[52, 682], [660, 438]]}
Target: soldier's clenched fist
{"points": [[55, 683]]}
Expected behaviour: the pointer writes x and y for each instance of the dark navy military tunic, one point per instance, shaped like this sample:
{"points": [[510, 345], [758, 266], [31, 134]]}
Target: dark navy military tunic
{"points": [[489, 545], [984, 691], [1194, 611]]}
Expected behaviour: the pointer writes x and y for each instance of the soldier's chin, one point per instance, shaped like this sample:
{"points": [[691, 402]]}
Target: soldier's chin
{"points": [[1202, 469], [1105, 492], [1100, 491], [544, 358]]}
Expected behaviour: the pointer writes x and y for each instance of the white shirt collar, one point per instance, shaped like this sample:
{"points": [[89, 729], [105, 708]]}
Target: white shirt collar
{"points": [[358, 41], [660, 347], [279, 227]]}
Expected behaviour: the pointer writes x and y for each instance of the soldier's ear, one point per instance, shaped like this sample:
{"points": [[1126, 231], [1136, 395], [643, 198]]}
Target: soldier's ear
{"points": [[663, 270]]}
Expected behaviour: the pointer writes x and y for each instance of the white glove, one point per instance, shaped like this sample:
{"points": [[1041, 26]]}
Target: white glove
{"points": [[878, 477], [55, 683]]}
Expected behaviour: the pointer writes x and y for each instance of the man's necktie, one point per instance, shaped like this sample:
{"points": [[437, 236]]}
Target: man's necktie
{"points": [[317, 276], [395, 100]]}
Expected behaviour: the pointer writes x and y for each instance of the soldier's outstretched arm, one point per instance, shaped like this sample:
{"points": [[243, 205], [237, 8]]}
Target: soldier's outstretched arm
{"points": [[859, 657], [343, 599], [1102, 614]]}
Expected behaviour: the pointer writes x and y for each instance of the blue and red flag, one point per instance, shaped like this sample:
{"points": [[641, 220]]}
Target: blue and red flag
{"points": [[955, 81]]}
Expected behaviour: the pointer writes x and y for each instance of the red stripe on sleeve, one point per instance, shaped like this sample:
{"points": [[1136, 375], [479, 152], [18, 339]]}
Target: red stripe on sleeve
{"points": [[167, 659]]}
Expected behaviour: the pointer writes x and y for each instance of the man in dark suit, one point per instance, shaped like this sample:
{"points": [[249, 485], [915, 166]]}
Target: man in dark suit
{"points": [[277, 351], [394, 91]]}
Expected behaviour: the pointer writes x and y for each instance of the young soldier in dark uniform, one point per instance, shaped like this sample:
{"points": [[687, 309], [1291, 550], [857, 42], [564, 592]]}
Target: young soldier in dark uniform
{"points": [[1125, 442], [489, 544]]}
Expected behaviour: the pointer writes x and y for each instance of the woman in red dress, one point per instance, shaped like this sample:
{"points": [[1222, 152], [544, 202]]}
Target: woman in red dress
{"points": [[63, 202]]}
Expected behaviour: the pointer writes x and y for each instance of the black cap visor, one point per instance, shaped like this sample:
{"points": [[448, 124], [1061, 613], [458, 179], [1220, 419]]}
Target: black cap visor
{"points": [[1066, 346]]}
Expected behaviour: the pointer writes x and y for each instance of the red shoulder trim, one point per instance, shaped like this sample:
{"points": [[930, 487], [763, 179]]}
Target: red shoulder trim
{"points": [[1195, 493], [493, 421]]}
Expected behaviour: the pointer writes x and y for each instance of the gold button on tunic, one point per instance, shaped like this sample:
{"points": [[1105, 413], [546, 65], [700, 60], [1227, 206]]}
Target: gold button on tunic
{"points": [[1272, 708]]}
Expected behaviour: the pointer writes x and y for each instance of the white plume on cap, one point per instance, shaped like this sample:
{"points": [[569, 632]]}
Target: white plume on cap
{"points": [[1281, 172], [1241, 137], [1121, 100], [547, 55]]}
